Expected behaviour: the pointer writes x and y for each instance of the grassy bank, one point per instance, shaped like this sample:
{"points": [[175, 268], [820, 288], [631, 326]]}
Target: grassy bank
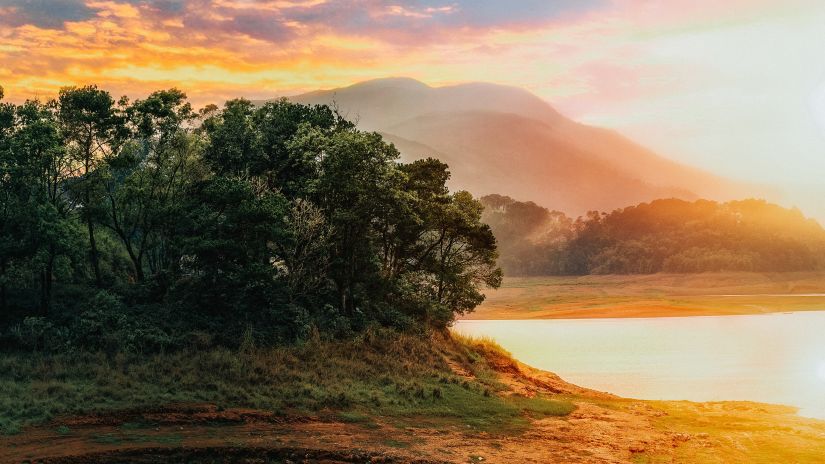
{"points": [[654, 295], [380, 374], [384, 397]]}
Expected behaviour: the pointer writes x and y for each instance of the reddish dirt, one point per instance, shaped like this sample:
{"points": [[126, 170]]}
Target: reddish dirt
{"points": [[203, 433], [590, 434]]}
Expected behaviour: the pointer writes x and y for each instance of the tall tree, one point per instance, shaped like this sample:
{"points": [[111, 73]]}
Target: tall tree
{"points": [[49, 169], [232, 148], [358, 183], [10, 207], [285, 166], [93, 129], [146, 179]]}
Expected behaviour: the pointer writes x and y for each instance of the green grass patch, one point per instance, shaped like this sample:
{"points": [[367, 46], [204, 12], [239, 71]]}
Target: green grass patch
{"points": [[353, 417], [540, 406], [128, 426], [380, 374], [108, 439], [397, 444]]}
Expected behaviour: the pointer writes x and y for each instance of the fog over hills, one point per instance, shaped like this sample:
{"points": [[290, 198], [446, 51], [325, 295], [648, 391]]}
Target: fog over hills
{"points": [[500, 139]]}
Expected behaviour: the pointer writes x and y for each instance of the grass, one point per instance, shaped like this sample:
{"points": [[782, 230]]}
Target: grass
{"points": [[543, 407], [397, 376]]}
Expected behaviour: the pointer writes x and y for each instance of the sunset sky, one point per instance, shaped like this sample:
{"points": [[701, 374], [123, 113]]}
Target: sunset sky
{"points": [[736, 87]]}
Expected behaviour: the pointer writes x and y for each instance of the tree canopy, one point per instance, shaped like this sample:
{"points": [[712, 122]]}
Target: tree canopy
{"points": [[146, 223]]}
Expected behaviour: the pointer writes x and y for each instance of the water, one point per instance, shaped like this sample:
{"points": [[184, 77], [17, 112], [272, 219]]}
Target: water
{"points": [[772, 358]]}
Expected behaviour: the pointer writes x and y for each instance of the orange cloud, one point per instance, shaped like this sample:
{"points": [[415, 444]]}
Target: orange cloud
{"points": [[219, 48]]}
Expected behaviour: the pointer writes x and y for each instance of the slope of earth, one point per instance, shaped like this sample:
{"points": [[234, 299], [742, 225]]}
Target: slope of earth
{"points": [[596, 428]]}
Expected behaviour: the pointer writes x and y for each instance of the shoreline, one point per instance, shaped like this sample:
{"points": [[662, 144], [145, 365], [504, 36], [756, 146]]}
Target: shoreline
{"points": [[652, 296], [610, 313], [602, 428]]}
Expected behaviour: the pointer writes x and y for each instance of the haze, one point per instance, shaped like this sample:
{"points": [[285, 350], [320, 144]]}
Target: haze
{"points": [[735, 88]]}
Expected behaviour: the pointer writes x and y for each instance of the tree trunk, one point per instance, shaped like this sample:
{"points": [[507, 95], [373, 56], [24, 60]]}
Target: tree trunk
{"points": [[137, 262], [87, 206], [3, 298], [93, 252], [47, 277], [139, 276], [342, 293]]}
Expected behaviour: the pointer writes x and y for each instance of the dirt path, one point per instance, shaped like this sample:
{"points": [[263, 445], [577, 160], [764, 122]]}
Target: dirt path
{"points": [[590, 434]]}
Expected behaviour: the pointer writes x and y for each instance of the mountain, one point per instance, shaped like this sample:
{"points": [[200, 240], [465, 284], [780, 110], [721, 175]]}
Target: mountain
{"points": [[500, 139]]}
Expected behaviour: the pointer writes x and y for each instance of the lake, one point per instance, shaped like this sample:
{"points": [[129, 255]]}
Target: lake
{"points": [[772, 358]]}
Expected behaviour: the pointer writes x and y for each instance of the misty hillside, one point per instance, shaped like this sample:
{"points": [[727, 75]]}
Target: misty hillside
{"points": [[505, 139], [660, 236]]}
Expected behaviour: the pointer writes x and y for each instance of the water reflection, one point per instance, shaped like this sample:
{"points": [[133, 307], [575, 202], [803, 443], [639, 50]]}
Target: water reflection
{"points": [[774, 358]]}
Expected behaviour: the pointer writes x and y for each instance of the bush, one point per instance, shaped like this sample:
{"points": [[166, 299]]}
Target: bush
{"points": [[104, 325], [38, 333]]}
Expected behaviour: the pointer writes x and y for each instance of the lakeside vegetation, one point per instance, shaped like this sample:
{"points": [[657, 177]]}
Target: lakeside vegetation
{"points": [[377, 374], [142, 226], [669, 235]]}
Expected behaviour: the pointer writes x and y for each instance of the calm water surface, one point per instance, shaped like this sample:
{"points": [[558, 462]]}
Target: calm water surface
{"points": [[773, 358]]}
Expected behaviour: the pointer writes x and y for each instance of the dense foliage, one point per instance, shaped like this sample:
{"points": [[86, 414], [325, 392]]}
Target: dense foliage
{"points": [[661, 236], [145, 224]]}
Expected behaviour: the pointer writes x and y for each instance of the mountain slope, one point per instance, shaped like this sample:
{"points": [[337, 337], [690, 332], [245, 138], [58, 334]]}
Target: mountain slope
{"points": [[500, 139]]}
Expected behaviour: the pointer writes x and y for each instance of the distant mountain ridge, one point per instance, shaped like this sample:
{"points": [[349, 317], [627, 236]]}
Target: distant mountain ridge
{"points": [[505, 139]]}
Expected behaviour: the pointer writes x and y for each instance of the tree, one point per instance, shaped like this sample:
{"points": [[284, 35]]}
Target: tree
{"points": [[232, 148], [146, 179], [444, 250], [358, 183], [229, 269], [304, 251], [92, 128], [285, 166], [49, 170], [11, 202], [465, 259]]}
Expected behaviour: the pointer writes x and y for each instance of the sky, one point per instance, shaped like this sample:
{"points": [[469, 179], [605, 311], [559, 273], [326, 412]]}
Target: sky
{"points": [[735, 87]]}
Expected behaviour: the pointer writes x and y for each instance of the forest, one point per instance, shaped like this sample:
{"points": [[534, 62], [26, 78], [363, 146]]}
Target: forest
{"points": [[147, 225], [667, 235]]}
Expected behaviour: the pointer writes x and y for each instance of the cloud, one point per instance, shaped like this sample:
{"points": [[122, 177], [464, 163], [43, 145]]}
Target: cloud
{"points": [[493, 13], [48, 14], [423, 21]]}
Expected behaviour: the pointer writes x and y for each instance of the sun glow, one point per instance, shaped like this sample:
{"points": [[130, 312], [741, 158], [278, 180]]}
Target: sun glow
{"points": [[820, 371], [680, 76]]}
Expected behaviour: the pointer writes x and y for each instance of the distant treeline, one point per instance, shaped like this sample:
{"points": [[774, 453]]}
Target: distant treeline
{"points": [[662, 236], [145, 224]]}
